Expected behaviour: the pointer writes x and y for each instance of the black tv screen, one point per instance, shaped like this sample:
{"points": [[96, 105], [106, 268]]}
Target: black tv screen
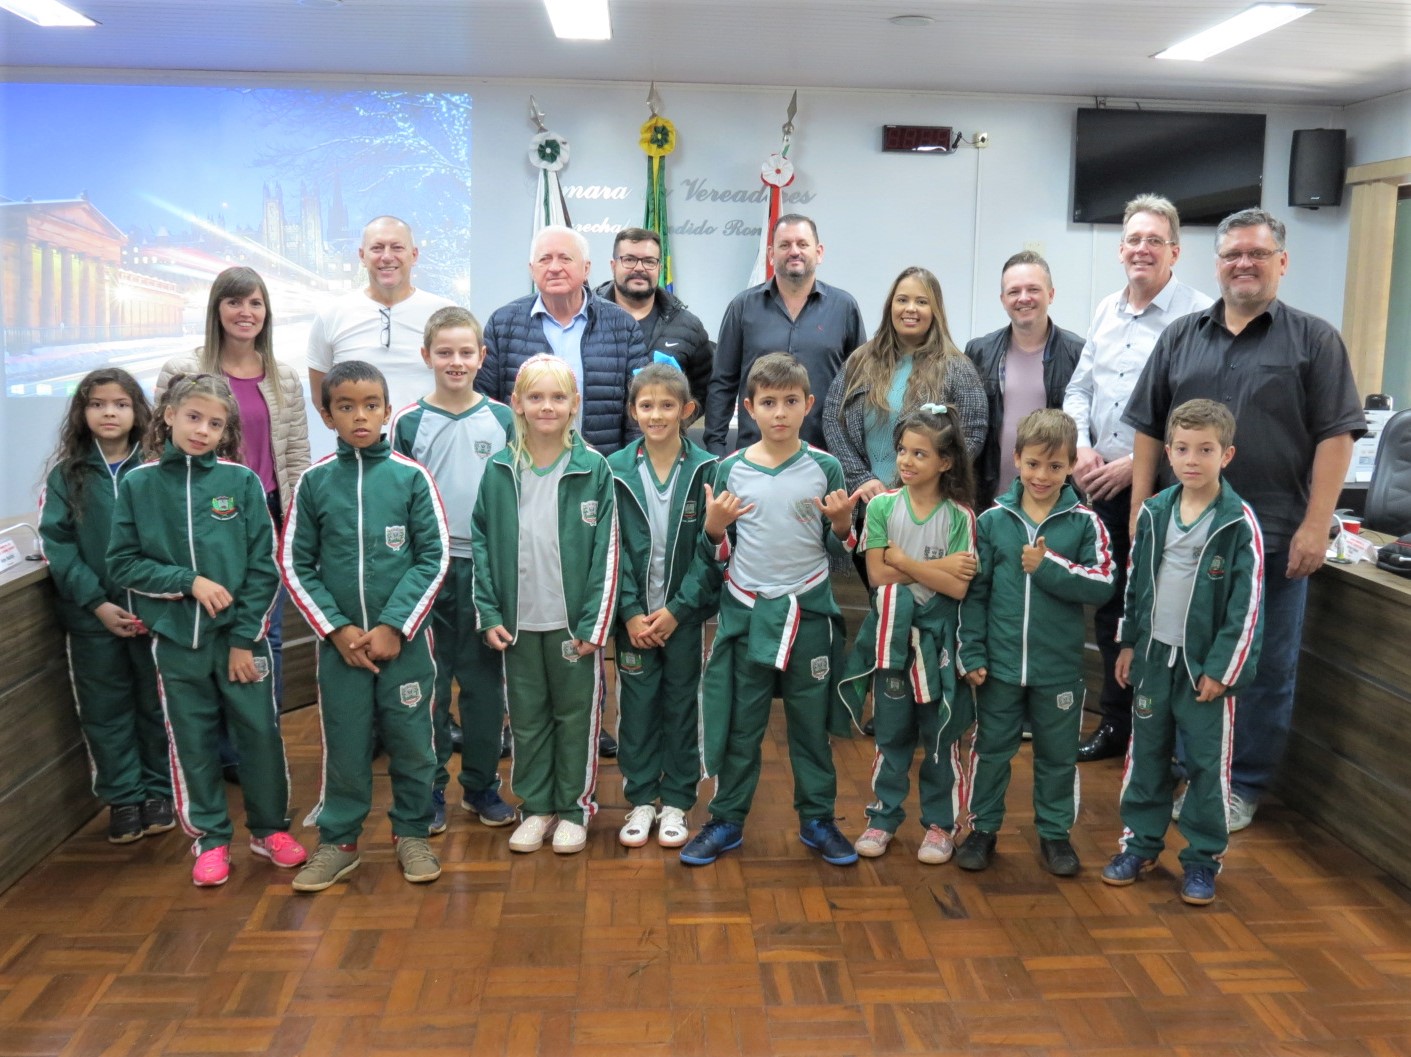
{"points": [[1209, 164]]}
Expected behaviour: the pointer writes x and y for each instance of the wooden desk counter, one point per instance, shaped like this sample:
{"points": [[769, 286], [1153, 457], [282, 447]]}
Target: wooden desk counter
{"points": [[1348, 765]]}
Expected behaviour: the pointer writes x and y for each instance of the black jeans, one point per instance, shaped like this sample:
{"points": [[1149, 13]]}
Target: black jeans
{"points": [[1116, 701]]}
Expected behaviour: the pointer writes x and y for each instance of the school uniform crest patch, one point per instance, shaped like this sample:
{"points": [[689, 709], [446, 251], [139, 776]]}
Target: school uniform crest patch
{"points": [[588, 511], [629, 662], [482, 448], [1217, 567], [895, 687], [818, 668], [943, 661], [569, 651], [409, 694], [932, 553], [261, 669], [223, 508], [688, 510], [1142, 707], [395, 537], [1065, 701], [805, 512]]}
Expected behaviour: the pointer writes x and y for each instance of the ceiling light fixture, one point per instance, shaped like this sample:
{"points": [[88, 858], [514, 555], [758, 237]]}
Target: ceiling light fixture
{"points": [[911, 20], [1247, 25], [47, 13], [580, 19]]}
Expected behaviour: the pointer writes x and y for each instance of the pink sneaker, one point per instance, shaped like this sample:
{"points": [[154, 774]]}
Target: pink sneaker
{"points": [[212, 867], [280, 849]]}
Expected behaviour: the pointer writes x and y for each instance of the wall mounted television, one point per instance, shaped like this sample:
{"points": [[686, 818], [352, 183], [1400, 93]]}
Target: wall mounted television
{"points": [[1209, 164]]}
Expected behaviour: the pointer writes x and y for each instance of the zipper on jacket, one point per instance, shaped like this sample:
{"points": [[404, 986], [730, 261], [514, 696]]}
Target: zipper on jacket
{"points": [[362, 571], [191, 545]]}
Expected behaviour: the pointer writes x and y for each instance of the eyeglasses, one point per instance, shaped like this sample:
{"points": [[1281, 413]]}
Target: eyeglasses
{"points": [[386, 314], [1151, 242], [628, 261], [1258, 256]]}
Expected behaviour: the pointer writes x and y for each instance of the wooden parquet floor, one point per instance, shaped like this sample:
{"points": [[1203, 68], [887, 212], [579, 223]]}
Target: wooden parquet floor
{"points": [[110, 950]]}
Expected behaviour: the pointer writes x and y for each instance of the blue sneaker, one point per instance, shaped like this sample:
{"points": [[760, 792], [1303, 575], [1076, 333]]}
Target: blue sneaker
{"points": [[823, 835], [1198, 888], [438, 812], [488, 806], [716, 836], [1125, 868]]}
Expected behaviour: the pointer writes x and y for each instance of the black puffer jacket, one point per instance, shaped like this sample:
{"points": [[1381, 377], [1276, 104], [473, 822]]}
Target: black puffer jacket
{"points": [[612, 349], [680, 335], [987, 354]]}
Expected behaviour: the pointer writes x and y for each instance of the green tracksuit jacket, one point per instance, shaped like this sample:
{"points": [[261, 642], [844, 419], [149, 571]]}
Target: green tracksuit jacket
{"points": [[1224, 620], [365, 541], [692, 583], [1027, 630], [76, 548], [185, 516], [589, 556]]}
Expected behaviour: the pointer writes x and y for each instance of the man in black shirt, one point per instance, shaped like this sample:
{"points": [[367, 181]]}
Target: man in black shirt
{"points": [[1286, 377]]}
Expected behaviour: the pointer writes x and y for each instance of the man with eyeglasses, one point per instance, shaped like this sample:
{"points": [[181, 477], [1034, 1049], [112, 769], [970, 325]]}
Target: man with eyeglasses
{"points": [[1123, 332], [1286, 377], [793, 312], [600, 342], [381, 323], [668, 327]]}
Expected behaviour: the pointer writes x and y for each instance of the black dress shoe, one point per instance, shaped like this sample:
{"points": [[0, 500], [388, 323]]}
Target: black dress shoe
{"points": [[607, 745], [975, 851], [870, 728], [506, 743], [1104, 743], [1059, 857], [457, 738]]}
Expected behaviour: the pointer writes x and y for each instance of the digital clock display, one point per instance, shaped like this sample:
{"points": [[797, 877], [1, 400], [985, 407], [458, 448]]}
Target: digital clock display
{"points": [[917, 139]]}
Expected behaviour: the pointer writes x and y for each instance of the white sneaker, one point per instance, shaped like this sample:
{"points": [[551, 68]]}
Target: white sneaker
{"points": [[936, 847], [1176, 806], [529, 834], [638, 827], [872, 843], [570, 837], [672, 831], [1240, 813]]}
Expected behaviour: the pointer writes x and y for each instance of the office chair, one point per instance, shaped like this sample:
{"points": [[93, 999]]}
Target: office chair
{"points": [[1389, 493]]}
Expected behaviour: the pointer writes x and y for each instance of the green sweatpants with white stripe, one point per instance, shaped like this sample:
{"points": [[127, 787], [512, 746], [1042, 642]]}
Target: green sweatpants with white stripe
{"points": [[658, 709], [115, 692], [196, 690], [554, 721], [461, 654], [356, 707], [1055, 715], [901, 724]]}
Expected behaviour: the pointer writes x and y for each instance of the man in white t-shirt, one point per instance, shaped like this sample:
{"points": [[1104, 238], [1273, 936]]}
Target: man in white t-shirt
{"points": [[381, 324]]}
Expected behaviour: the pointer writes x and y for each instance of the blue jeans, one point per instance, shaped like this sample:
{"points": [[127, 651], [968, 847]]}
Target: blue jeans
{"points": [[1264, 709]]}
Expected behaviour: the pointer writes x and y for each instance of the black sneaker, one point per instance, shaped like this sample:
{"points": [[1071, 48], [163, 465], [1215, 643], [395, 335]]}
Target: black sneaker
{"points": [[457, 737], [124, 823], [976, 851], [1059, 857], [607, 745], [716, 836], [822, 834], [157, 816], [506, 743]]}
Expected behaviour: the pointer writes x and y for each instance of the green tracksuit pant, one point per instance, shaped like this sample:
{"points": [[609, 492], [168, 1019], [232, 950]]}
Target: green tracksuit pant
{"points": [[461, 654], [196, 691], [1055, 715], [357, 708], [901, 724], [1164, 706], [659, 719], [555, 716], [120, 715], [805, 688]]}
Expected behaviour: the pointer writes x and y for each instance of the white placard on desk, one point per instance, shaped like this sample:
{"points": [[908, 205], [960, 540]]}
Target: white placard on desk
{"points": [[9, 555]]}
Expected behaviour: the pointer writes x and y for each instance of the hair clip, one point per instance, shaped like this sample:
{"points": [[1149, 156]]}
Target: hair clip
{"points": [[935, 409]]}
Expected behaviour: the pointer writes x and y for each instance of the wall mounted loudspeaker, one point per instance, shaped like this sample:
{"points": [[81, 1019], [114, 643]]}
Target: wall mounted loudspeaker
{"points": [[1317, 167]]}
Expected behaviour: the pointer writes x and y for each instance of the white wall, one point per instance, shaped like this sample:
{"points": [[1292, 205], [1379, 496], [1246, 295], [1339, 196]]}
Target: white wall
{"points": [[960, 215]]}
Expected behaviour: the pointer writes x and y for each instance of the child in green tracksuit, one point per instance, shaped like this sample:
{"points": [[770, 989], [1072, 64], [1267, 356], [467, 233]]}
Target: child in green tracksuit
{"points": [[777, 511], [114, 683], [1190, 634], [669, 589], [192, 540], [545, 541], [919, 543], [1043, 556], [365, 550], [453, 432]]}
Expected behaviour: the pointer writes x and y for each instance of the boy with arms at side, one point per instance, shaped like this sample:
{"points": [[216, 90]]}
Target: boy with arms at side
{"points": [[1190, 633], [453, 432], [364, 552], [1043, 556], [778, 509]]}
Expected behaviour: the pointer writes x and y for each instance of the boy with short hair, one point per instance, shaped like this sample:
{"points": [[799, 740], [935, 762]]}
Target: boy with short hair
{"points": [[1190, 634], [777, 511], [363, 554], [453, 432], [1043, 555]]}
